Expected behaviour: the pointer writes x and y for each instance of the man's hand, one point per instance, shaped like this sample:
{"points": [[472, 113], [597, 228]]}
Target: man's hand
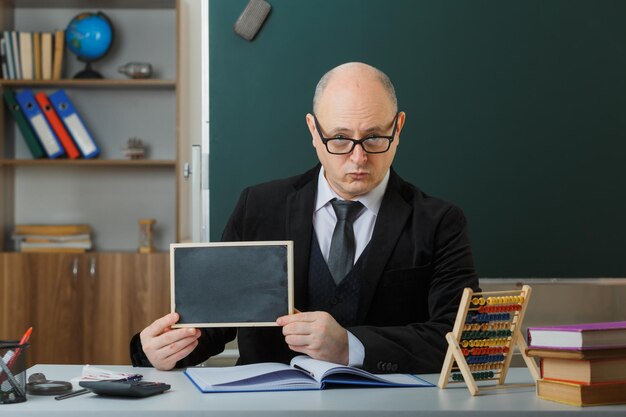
{"points": [[165, 346], [316, 334]]}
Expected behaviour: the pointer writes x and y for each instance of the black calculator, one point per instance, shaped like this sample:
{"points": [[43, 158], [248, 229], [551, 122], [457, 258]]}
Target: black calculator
{"points": [[125, 388]]}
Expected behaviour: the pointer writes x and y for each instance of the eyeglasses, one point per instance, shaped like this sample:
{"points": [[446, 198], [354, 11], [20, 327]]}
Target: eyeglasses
{"points": [[371, 144]]}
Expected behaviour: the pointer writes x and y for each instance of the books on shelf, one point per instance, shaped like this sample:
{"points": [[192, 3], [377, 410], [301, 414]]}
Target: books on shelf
{"points": [[15, 50], [3, 57], [33, 55], [582, 395], [52, 238], [29, 135], [57, 125], [52, 124], [26, 55], [8, 51], [37, 55], [46, 56], [57, 62], [38, 122], [52, 229], [303, 373], [579, 336], [74, 124]]}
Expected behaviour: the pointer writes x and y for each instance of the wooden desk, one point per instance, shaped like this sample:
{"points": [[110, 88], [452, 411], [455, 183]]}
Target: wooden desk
{"points": [[184, 399]]}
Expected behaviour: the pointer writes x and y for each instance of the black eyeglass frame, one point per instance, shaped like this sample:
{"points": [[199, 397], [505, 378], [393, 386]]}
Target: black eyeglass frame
{"points": [[357, 141]]}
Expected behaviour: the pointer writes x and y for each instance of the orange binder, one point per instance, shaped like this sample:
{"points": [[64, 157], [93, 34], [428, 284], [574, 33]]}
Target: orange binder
{"points": [[57, 126]]}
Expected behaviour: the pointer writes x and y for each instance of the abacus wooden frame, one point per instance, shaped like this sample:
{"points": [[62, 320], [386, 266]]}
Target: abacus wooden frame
{"points": [[455, 354]]}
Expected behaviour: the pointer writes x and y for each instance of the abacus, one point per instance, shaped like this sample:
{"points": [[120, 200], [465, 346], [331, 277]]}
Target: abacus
{"points": [[485, 333]]}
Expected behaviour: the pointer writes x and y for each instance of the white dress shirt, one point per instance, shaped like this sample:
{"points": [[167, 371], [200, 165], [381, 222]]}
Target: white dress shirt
{"points": [[324, 220]]}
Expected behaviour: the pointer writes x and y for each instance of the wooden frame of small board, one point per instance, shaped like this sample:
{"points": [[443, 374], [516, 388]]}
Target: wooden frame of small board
{"points": [[231, 284], [485, 333]]}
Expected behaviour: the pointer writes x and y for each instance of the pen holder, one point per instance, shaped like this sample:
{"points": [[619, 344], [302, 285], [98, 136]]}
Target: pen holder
{"points": [[12, 372]]}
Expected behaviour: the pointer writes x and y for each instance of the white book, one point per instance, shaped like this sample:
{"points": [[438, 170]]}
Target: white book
{"points": [[303, 373], [78, 244], [52, 238]]}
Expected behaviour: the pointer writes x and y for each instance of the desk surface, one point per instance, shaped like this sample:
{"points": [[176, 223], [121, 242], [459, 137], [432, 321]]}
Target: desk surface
{"points": [[184, 399]]}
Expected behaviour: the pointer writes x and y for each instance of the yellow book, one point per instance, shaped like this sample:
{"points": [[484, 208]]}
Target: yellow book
{"points": [[52, 229], [581, 394], [59, 46], [46, 56], [37, 55], [53, 250]]}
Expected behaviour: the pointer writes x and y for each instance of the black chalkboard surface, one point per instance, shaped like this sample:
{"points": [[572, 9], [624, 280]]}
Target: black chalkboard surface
{"points": [[515, 113], [231, 284]]}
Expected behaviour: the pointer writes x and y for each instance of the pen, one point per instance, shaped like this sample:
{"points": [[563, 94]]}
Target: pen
{"points": [[72, 394], [23, 340], [304, 370]]}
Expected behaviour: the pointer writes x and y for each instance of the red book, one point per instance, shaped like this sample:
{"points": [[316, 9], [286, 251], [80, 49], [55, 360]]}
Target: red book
{"points": [[58, 126]]}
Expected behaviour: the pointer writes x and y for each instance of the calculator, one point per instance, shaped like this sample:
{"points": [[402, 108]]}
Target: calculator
{"points": [[125, 388]]}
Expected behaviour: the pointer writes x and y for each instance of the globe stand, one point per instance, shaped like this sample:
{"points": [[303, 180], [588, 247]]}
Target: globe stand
{"points": [[88, 72]]}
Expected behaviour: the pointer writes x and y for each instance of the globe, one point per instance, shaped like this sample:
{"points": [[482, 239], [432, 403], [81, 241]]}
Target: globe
{"points": [[89, 36]]}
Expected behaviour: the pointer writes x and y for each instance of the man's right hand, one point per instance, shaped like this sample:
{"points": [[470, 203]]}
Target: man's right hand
{"points": [[165, 346]]}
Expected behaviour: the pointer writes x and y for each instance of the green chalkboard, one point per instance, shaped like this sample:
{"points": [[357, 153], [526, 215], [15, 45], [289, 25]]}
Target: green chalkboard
{"points": [[516, 112]]}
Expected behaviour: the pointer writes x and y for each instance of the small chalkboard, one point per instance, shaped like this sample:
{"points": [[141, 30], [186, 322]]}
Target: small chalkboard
{"points": [[231, 284]]}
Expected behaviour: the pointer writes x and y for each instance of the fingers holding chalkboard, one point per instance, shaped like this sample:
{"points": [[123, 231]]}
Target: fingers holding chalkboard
{"points": [[165, 346]]}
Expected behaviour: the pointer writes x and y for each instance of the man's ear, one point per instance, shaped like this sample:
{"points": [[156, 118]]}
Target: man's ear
{"points": [[310, 122], [401, 120]]}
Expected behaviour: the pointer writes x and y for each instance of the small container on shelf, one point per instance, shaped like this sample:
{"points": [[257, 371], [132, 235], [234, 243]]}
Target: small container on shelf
{"points": [[146, 244]]}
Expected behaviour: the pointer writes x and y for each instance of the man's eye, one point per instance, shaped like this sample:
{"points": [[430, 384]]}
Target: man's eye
{"points": [[339, 137]]}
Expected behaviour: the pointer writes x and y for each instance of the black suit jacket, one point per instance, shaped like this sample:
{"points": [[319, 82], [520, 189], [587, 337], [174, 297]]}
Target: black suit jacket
{"points": [[419, 261]]}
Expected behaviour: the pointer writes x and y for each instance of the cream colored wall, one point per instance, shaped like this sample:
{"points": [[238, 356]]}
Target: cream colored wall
{"points": [[189, 111], [567, 301]]}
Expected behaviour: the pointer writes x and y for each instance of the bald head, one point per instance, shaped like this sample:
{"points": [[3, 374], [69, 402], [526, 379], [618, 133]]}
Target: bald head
{"points": [[355, 73]]}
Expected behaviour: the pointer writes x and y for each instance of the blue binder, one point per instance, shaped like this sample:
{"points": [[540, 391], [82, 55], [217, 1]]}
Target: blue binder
{"points": [[40, 125], [74, 124]]}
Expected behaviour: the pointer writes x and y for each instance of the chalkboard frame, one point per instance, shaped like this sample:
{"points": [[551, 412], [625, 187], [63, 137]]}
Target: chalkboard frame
{"points": [[284, 302]]}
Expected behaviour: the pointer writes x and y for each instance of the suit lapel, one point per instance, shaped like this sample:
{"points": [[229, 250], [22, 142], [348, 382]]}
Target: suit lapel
{"points": [[299, 225], [392, 216]]}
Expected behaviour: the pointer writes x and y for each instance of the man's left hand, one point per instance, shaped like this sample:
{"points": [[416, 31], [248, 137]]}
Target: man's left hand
{"points": [[317, 335]]}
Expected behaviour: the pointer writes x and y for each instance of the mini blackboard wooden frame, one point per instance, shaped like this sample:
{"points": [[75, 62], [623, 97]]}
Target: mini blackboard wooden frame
{"points": [[231, 284]]}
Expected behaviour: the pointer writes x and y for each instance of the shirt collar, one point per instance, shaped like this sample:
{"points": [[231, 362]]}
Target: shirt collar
{"points": [[371, 200]]}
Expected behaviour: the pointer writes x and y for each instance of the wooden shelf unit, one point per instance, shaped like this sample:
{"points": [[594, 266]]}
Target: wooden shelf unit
{"points": [[84, 307], [109, 95]]}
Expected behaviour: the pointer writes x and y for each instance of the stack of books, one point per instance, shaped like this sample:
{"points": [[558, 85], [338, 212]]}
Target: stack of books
{"points": [[73, 238], [32, 55], [581, 364]]}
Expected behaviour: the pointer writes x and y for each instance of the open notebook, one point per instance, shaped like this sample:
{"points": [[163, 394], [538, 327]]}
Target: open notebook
{"points": [[303, 373]]}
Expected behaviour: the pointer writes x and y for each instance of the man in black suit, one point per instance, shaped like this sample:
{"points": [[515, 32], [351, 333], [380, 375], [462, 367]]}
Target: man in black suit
{"points": [[390, 309]]}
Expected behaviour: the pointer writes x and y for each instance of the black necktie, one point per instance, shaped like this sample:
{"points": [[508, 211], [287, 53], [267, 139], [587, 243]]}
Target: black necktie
{"points": [[342, 245]]}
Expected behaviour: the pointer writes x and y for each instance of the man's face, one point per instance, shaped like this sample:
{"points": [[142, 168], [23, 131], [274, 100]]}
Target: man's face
{"points": [[354, 109]]}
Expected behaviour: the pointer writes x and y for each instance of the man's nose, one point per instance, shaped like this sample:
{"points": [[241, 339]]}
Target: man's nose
{"points": [[358, 153]]}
